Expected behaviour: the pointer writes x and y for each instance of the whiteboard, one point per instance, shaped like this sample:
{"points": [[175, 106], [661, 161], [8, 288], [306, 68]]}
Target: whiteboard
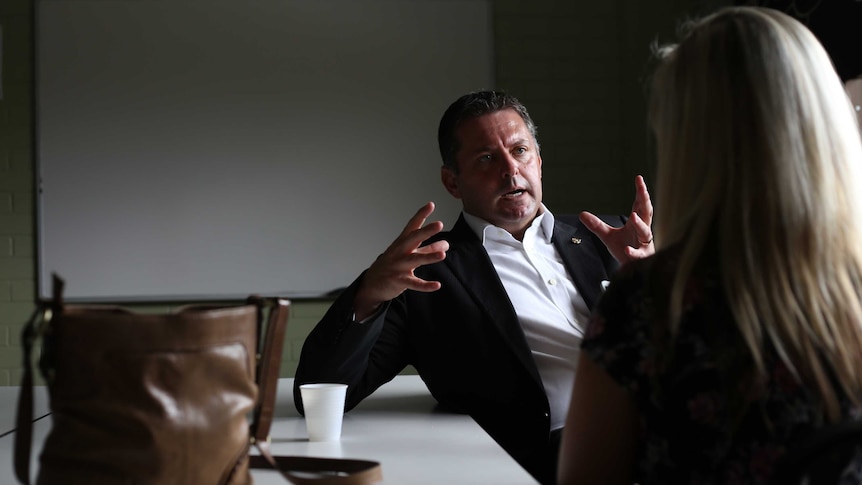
{"points": [[210, 149]]}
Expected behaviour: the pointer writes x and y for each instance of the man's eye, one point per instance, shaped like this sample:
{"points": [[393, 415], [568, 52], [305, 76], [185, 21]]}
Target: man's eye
{"points": [[520, 150], [485, 158]]}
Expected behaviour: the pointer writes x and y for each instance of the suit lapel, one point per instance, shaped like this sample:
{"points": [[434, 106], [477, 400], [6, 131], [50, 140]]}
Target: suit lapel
{"points": [[577, 248], [470, 263]]}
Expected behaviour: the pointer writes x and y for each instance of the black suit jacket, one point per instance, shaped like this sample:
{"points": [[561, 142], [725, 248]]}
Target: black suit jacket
{"points": [[464, 340]]}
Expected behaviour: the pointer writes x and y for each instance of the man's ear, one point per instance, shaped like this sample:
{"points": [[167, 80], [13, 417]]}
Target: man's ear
{"points": [[450, 181]]}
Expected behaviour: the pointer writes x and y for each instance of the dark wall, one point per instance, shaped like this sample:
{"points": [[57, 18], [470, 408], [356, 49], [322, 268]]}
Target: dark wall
{"points": [[837, 23]]}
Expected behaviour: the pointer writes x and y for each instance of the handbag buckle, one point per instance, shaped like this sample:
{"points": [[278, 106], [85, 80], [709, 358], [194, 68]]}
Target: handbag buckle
{"points": [[42, 325], [253, 440]]}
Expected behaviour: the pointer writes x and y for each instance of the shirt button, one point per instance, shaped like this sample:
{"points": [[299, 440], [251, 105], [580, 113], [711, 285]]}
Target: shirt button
{"points": [[552, 282]]}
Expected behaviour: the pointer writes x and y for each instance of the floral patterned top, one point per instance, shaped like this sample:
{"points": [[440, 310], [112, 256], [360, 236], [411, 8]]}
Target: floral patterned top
{"points": [[705, 417]]}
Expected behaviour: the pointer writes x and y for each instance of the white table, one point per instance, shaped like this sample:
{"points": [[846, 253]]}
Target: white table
{"points": [[397, 426]]}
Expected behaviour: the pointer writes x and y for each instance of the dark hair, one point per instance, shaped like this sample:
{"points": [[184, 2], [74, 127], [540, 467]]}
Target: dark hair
{"points": [[473, 105]]}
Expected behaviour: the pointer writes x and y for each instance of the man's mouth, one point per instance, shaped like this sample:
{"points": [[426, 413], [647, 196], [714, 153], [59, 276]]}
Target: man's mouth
{"points": [[514, 193]]}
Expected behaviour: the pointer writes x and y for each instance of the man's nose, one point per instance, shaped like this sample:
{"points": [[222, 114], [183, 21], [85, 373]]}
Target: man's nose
{"points": [[511, 166]]}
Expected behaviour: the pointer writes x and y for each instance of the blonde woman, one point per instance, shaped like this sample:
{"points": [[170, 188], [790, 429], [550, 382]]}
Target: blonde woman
{"points": [[743, 333]]}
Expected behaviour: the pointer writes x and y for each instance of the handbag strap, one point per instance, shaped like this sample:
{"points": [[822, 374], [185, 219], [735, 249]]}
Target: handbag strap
{"points": [[306, 470], [269, 363], [300, 470], [34, 329], [24, 420]]}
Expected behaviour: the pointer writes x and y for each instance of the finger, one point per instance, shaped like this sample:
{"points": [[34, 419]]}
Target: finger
{"points": [[418, 284], [594, 224], [642, 231], [418, 219], [645, 251], [409, 241], [400, 260], [413, 240], [642, 204], [427, 255], [437, 246], [642, 198]]}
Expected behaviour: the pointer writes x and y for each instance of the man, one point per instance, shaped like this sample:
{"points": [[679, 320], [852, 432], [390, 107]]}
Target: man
{"points": [[491, 313]]}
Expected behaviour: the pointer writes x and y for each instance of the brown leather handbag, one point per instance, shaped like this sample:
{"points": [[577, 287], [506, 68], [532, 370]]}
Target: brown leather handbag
{"points": [[163, 399]]}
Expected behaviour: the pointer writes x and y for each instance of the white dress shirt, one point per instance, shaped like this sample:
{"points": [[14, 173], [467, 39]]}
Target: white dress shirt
{"points": [[549, 308]]}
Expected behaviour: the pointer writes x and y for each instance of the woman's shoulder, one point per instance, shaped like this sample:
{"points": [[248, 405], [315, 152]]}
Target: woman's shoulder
{"points": [[657, 274], [635, 309]]}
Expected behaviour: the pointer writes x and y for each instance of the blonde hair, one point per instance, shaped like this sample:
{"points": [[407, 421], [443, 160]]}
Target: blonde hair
{"points": [[759, 156]]}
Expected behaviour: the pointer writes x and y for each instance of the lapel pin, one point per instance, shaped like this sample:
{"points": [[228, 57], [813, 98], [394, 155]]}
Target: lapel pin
{"points": [[576, 240]]}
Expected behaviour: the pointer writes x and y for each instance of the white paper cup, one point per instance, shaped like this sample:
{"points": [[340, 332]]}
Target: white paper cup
{"points": [[324, 410]]}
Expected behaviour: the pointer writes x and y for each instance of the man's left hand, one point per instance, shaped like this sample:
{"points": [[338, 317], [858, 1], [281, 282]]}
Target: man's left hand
{"points": [[634, 239]]}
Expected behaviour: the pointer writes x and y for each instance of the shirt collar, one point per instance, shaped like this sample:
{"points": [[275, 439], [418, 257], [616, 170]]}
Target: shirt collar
{"points": [[545, 220]]}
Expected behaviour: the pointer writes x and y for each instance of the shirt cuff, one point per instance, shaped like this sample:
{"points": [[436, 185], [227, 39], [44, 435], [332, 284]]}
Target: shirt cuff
{"points": [[369, 317]]}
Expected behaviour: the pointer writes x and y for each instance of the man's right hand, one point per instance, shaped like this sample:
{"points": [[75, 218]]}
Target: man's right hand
{"points": [[392, 272]]}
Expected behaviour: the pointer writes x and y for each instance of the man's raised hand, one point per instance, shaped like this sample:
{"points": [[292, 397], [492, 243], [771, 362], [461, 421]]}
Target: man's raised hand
{"points": [[634, 239], [392, 271]]}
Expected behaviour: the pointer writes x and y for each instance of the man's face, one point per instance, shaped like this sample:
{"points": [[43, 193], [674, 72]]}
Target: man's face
{"points": [[500, 171]]}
